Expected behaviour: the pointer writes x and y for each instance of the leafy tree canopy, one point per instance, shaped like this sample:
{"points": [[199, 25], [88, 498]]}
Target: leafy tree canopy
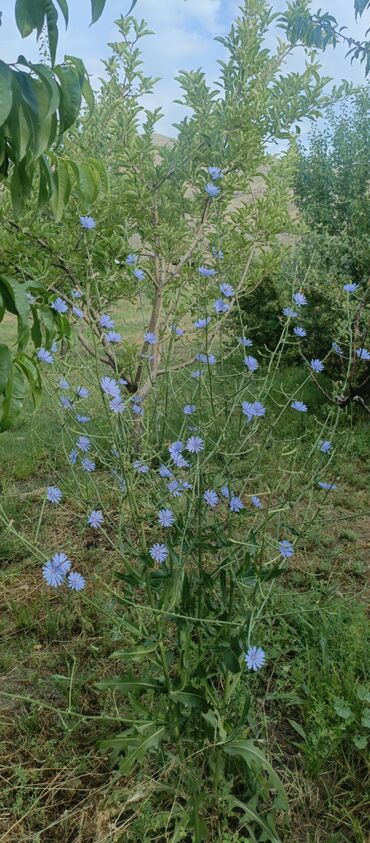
{"points": [[321, 30]]}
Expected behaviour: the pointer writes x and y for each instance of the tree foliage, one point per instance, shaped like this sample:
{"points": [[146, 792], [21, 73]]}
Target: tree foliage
{"points": [[38, 103], [321, 30]]}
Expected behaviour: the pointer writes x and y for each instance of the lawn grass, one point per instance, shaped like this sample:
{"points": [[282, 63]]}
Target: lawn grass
{"points": [[56, 784]]}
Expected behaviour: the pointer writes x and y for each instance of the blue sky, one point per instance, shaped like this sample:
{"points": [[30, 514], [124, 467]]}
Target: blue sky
{"points": [[185, 30]]}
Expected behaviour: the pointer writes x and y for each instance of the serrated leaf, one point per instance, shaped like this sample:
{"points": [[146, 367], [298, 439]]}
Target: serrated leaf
{"points": [[254, 816], [252, 755]]}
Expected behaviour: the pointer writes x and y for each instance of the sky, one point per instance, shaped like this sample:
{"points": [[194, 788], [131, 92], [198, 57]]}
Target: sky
{"points": [[184, 39]]}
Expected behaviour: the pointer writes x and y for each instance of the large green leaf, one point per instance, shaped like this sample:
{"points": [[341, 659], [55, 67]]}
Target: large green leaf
{"points": [[13, 399], [97, 7], [15, 298], [253, 815], [29, 15], [60, 197], [5, 366], [252, 755], [51, 23], [71, 94], [64, 9], [137, 652], [6, 92], [32, 374], [143, 744], [125, 684]]}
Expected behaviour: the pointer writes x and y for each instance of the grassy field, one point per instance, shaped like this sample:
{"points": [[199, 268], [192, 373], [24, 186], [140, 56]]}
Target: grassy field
{"points": [[56, 784]]}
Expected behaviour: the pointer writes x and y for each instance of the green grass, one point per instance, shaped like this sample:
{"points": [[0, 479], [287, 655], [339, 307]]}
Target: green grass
{"points": [[56, 785]]}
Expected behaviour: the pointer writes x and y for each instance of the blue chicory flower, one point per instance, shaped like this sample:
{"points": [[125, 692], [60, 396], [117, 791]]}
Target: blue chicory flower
{"points": [[166, 518], [288, 311], [194, 445], [112, 337], [59, 305], [215, 172], [202, 323], [87, 222], [251, 363], [211, 498], [88, 465], [299, 299], [212, 190], [253, 410], [236, 504], [76, 581], [227, 290], [286, 549], [106, 321], [363, 354], [139, 274], [256, 501], [54, 494], [255, 658], [159, 552], [325, 446], [221, 306], [317, 365], [95, 519], [150, 337], [299, 406]]}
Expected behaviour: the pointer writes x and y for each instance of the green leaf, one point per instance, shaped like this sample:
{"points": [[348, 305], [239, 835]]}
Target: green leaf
{"points": [[363, 694], [298, 728], [252, 755], [13, 399], [60, 197], [70, 95], [251, 814], [6, 92], [64, 9], [365, 719], [32, 374], [133, 4], [29, 15], [5, 366], [342, 709], [51, 22], [129, 683], [97, 7], [360, 741], [190, 696], [139, 651], [144, 743]]}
